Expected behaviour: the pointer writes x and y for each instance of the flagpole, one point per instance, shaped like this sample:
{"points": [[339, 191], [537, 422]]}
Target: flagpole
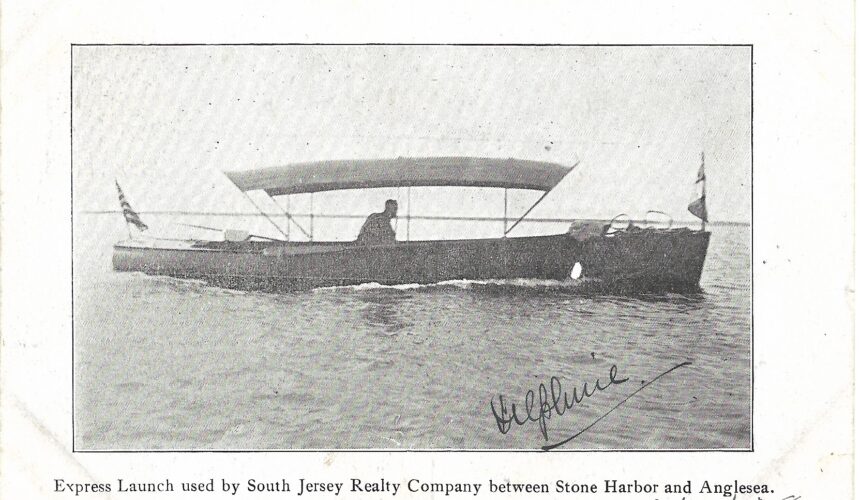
{"points": [[704, 196]]}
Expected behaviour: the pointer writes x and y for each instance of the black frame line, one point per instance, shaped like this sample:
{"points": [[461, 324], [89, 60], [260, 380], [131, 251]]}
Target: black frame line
{"points": [[352, 44], [72, 216], [751, 448]]}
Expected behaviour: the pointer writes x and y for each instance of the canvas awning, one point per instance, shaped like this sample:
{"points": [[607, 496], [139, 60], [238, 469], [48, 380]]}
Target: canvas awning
{"points": [[311, 177]]}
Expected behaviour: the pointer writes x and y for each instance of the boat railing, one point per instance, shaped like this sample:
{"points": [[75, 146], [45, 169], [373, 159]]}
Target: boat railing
{"points": [[667, 221], [621, 223], [453, 218]]}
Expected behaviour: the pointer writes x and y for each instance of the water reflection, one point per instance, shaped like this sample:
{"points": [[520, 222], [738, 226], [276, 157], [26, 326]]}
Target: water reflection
{"points": [[385, 309]]}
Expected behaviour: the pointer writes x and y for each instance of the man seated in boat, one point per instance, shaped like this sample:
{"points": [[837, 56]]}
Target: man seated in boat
{"points": [[377, 228]]}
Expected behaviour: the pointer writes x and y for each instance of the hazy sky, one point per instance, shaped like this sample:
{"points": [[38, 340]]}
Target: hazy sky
{"points": [[166, 121]]}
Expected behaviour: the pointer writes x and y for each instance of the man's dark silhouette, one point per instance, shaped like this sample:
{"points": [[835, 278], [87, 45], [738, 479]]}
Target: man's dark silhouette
{"points": [[377, 228]]}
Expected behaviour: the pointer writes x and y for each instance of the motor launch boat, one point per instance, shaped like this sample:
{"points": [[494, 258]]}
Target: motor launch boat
{"points": [[625, 258]]}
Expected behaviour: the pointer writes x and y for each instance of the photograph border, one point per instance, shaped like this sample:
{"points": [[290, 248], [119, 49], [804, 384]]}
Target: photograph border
{"points": [[537, 449]]}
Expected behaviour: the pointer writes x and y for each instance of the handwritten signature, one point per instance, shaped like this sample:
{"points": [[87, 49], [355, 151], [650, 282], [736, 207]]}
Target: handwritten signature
{"points": [[553, 400]]}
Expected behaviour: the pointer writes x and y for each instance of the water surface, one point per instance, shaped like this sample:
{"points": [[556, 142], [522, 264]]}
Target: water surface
{"points": [[162, 363]]}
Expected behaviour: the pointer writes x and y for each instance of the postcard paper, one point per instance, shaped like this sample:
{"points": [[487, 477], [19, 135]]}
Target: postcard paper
{"points": [[604, 254]]}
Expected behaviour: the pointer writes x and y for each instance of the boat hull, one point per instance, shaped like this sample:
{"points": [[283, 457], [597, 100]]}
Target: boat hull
{"points": [[645, 260]]}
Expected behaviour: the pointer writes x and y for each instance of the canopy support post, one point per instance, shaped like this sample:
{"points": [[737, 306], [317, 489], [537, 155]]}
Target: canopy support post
{"points": [[505, 217], [289, 217], [396, 220], [263, 213], [704, 195], [408, 209], [311, 236], [508, 230]]}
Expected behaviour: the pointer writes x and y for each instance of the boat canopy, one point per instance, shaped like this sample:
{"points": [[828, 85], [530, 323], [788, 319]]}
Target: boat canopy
{"points": [[311, 177]]}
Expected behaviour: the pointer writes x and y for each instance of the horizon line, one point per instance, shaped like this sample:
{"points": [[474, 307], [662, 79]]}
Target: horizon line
{"points": [[415, 217]]}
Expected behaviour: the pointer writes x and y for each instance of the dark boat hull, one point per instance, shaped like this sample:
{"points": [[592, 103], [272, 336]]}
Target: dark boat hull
{"points": [[644, 260]]}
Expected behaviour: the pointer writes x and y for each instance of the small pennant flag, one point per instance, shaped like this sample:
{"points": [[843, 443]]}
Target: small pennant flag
{"points": [[127, 212], [699, 209], [698, 206]]}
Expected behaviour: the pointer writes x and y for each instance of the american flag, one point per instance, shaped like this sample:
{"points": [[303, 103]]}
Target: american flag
{"points": [[127, 212]]}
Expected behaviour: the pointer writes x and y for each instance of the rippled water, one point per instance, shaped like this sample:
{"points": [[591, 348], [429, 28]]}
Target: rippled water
{"points": [[171, 364]]}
